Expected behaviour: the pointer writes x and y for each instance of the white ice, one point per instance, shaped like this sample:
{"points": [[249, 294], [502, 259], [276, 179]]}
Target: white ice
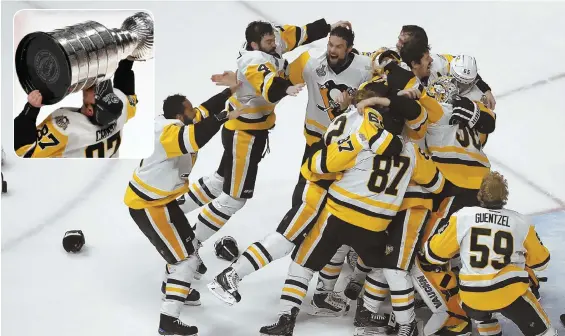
{"points": [[112, 286]]}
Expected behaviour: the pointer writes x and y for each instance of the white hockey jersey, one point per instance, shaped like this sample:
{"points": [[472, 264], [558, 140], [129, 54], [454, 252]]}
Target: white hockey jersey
{"points": [[342, 127], [495, 246], [67, 133], [163, 177], [372, 187], [256, 71], [458, 152], [324, 86]]}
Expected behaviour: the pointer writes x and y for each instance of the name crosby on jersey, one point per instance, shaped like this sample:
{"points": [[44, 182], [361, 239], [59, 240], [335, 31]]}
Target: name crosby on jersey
{"points": [[105, 132], [491, 218]]}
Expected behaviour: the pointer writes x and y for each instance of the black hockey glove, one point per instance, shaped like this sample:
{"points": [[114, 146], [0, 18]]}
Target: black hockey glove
{"points": [[387, 56], [73, 241], [465, 112], [107, 106], [226, 248]]}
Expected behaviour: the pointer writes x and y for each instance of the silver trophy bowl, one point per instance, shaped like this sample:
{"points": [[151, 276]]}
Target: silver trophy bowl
{"points": [[76, 57]]}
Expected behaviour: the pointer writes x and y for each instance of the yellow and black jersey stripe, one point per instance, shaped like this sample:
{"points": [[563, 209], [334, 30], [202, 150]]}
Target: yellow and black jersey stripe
{"points": [[537, 255], [295, 36], [140, 195]]}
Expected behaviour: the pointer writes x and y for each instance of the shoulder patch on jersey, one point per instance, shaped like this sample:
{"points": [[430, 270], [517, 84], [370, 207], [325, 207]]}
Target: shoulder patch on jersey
{"points": [[62, 122], [375, 118], [321, 70], [132, 100]]}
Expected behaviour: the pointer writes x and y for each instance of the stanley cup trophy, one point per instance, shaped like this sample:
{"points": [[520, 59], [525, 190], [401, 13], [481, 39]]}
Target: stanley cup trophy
{"points": [[76, 57]]}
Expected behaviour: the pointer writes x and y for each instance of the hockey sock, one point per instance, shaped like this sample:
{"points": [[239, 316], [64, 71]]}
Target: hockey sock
{"points": [[360, 272], [178, 285], [260, 254], [402, 295], [489, 328], [202, 192], [328, 276], [215, 214], [295, 287], [376, 290]]}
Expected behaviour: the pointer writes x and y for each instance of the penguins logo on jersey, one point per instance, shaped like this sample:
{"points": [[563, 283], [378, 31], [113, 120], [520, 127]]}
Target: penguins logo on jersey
{"points": [[329, 92]]}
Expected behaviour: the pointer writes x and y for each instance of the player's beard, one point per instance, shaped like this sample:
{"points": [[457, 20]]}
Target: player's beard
{"points": [[338, 64], [187, 121], [272, 51]]}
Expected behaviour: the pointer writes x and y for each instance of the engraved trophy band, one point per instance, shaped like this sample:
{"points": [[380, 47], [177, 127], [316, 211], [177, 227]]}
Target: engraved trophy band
{"points": [[76, 57]]}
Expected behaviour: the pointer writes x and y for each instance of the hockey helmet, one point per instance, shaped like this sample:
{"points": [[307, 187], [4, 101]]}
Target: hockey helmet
{"points": [[443, 89], [463, 68]]}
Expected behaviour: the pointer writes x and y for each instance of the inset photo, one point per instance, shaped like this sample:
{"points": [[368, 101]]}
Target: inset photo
{"points": [[84, 83]]}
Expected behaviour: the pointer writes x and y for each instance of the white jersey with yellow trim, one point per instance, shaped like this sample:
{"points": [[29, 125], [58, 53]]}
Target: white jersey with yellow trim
{"points": [[341, 128], [256, 71], [372, 187], [163, 176], [457, 151], [325, 85], [67, 133], [495, 245]]}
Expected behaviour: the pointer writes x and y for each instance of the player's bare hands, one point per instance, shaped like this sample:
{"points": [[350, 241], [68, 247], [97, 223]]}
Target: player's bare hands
{"points": [[381, 101], [228, 78], [412, 93], [344, 100], [294, 90], [236, 113], [35, 99], [489, 100], [342, 23]]}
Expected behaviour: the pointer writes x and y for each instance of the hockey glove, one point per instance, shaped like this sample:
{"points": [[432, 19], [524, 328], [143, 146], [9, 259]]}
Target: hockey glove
{"points": [[388, 56], [226, 248], [73, 241], [465, 112], [108, 106]]}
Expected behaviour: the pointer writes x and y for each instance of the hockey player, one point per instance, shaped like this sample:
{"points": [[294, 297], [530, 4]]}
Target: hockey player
{"points": [[331, 76], [280, 243], [91, 131], [441, 63], [160, 179], [262, 73], [357, 211], [495, 245]]}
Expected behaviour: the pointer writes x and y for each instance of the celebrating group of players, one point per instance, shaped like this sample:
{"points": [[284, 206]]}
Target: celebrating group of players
{"points": [[393, 179]]}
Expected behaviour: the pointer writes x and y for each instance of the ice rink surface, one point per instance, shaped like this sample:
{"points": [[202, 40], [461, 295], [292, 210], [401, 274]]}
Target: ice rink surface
{"points": [[112, 287]]}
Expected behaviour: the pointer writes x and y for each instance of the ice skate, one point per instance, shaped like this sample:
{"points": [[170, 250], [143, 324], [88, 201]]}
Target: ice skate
{"points": [[368, 323], [173, 326], [224, 286], [283, 327], [328, 304], [410, 329]]}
